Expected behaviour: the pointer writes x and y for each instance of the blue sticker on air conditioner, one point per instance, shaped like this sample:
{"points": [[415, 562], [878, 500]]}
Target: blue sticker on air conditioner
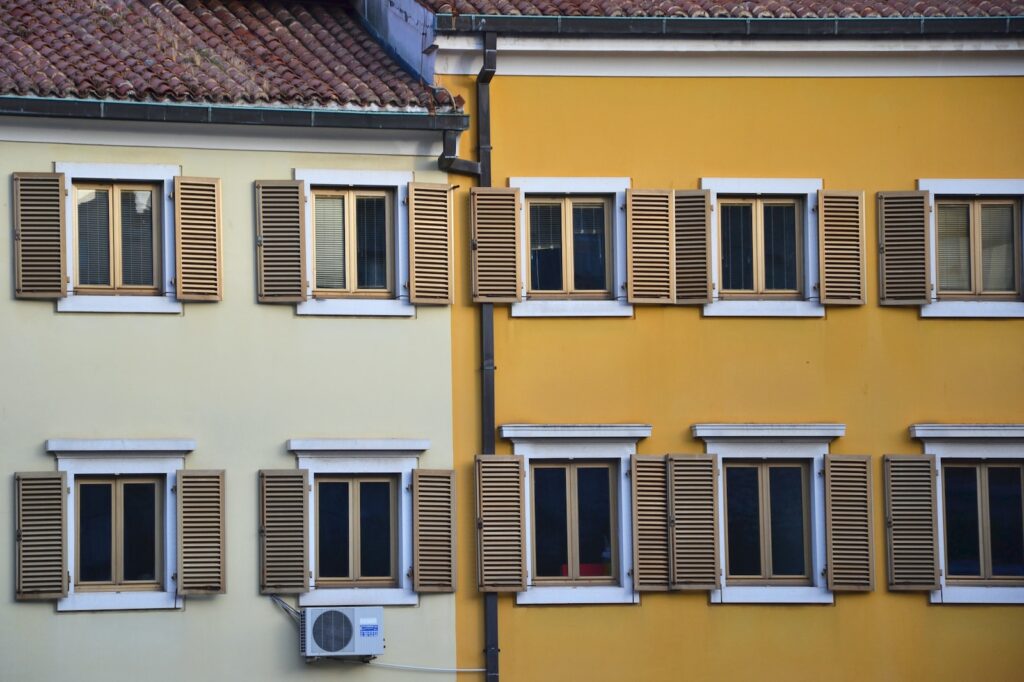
{"points": [[368, 630]]}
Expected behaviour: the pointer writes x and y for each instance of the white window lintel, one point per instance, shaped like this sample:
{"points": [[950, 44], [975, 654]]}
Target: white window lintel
{"points": [[823, 431], [522, 432], [357, 447], [91, 447], [934, 431]]}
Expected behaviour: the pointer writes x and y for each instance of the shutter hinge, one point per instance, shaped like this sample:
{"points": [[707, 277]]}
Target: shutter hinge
{"points": [[17, 235], [630, 573], [17, 535], [259, 241], [629, 473], [408, 488], [888, 522], [174, 488], [824, 572], [671, 521], [261, 531], [311, 575], [310, 487], [174, 577], [821, 474], [472, 244], [479, 523]]}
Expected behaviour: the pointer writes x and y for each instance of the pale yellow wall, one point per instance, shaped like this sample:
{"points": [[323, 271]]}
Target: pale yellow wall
{"points": [[877, 370], [239, 378]]}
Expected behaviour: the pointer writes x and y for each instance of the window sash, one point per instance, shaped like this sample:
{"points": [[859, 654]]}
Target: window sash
{"points": [[759, 289], [351, 261], [568, 289], [355, 578], [976, 250]]}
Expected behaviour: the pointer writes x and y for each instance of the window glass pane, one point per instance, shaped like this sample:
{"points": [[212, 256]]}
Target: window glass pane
{"points": [[94, 237], [551, 534], [546, 247], [744, 521], [780, 247], [372, 242], [332, 541], [95, 532], [1006, 521], [375, 529], [594, 508], [737, 246], [997, 261], [785, 493], [588, 247], [954, 222], [137, 237], [139, 523], [963, 556], [329, 227]]}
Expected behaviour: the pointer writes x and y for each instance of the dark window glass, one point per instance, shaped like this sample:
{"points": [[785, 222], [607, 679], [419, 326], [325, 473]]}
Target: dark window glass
{"points": [[94, 237], [332, 540], [139, 556], [593, 501], [137, 238], [546, 247], [744, 521], [95, 530], [372, 242], [737, 246], [551, 525], [779, 246], [375, 529], [588, 247], [786, 499], [1006, 521], [963, 554]]}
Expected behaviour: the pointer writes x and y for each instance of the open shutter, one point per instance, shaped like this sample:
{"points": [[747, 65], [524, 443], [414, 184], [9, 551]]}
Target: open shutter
{"points": [[284, 514], [39, 226], [197, 238], [201, 566], [910, 522], [649, 245], [41, 545], [430, 243], [433, 530], [501, 533], [281, 241], [497, 236], [903, 244], [693, 246], [693, 522], [848, 523], [650, 523], [841, 247]]}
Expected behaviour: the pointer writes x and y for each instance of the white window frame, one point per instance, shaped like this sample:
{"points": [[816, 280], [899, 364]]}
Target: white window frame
{"points": [[617, 306], [397, 182], [87, 457], [967, 442], [808, 442], [807, 190], [940, 188], [162, 175], [356, 457], [580, 442]]}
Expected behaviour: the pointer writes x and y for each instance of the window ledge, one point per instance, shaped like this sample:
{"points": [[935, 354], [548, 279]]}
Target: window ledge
{"points": [[351, 447], [930, 431], [572, 309], [119, 601], [75, 303], [360, 596], [772, 594], [764, 309], [517, 432], [356, 307], [90, 447], [762, 431], [586, 594], [966, 594], [973, 309]]}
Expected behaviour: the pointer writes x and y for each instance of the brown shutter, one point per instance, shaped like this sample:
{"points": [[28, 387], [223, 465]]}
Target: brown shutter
{"points": [[284, 514], [281, 241], [841, 247], [693, 246], [430, 243], [41, 545], [649, 246], [693, 522], [39, 226], [903, 244], [501, 536], [197, 238], [849, 523], [910, 522], [497, 236], [201, 560], [433, 531], [651, 558]]}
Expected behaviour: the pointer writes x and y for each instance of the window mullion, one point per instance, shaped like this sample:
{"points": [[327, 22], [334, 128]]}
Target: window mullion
{"points": [[118, 535], [757, 247], [351, 275], [568, 265], [765, 505], [977, 259], [985, 523], [354, 528], [113, 232], [573, 522]]}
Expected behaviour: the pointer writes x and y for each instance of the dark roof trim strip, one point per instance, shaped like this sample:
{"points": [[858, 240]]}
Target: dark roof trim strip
{"points": [[244, 115]]}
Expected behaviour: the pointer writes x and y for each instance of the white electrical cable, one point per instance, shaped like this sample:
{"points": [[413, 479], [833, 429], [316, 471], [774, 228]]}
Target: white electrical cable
{"points": [[424, 669]]}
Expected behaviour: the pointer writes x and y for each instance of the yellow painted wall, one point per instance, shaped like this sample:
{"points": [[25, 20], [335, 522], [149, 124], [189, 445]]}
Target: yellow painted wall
{"points": [[877, 370]]}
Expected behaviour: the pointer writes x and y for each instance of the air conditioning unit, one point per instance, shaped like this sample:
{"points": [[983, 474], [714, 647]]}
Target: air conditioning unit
{"points": [[341, 632]]}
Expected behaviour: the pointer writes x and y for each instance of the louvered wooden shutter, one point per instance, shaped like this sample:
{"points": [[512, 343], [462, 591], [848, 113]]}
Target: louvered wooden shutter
{"points": [[433, 530], [693, 246], [903, 243], [430, 243], [39, 226], [693, 522], [501, 536], [651, 554], [201, 558], [41, 517], [910, 522], [848, 523], [497, 238], [197, 238], [649, 246], [284, 514], [281, 241], [841, 247]]}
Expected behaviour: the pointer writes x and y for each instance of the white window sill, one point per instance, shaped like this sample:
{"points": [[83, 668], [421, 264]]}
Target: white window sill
{"points": [[360, 596], [973, 309], [764, 309], [119, 304], [118, 601], [965, 594], [772, 594], [562, 594], [366, 307], [572, 309]]}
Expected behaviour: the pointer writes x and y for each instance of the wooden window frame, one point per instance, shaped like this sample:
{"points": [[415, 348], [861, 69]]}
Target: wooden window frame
{"points": [[977, 290], [767, 576], [568, 289], [757, 204], [351, 289], [117, 582], [354, 579], [116, 287]]}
